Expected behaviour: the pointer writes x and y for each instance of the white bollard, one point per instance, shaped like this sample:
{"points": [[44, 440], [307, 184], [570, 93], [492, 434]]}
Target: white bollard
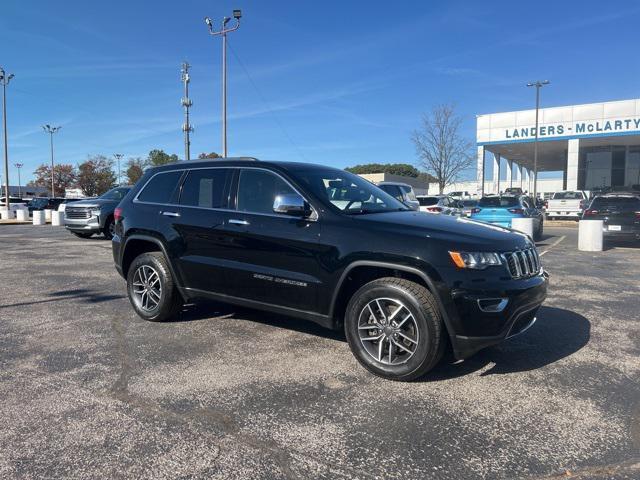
{"points": [[524, 225], [6, 214], [38, 217], [57, 218], [22, 215], [590, 235], [47, 214]]}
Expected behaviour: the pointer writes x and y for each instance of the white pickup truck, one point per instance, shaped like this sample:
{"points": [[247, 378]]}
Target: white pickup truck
{"points": [[567, 204]]}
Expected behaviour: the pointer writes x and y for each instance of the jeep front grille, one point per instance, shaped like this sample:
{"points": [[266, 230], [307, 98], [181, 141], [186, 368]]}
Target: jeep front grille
{"points": [[77, 213], [523, 263]]}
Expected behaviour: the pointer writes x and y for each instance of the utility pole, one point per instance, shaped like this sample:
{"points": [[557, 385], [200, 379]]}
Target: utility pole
{"points": [[51, 130], [223, 32], [538, 84], [186, 103], [4, 80], [19, 166], [118, 156]]}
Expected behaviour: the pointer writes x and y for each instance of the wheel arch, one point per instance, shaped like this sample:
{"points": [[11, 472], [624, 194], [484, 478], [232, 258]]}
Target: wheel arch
{"points": [[344, 290]]}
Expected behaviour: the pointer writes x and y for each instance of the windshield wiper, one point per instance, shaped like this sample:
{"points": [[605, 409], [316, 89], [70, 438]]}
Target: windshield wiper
{"points": [[366, 211]]}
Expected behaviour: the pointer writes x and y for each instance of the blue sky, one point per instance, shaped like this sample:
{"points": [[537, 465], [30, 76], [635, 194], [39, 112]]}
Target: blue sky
{"points": [[338, 82]]}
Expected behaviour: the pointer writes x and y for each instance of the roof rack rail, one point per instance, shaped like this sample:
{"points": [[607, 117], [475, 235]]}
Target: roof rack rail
{"points": [[252, 159]]}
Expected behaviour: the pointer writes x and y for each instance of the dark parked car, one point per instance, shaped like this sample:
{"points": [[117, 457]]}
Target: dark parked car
{"points": [[85, 217], [45, 203], [620, 213], [325, 245]]}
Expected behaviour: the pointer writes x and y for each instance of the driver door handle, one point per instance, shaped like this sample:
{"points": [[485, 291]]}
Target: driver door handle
{"points": [[170, 214], [234, 221]]}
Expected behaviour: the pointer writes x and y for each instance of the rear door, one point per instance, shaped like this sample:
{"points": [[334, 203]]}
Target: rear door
{"points": [[273, 258]]}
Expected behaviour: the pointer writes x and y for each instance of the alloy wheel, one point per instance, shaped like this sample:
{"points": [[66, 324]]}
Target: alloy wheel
{"points": [[147, 288], [388, 331]]}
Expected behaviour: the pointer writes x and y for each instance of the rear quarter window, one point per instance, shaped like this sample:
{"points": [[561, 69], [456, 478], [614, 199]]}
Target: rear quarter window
{"points": [[160, 188]]}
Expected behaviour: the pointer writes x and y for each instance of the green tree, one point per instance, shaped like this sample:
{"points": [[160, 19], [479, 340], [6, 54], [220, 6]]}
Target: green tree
{"points": [[65, 177], [135, 169], [96, 175], [403, 169], [159, 157], [442, 149], [203, 156]]}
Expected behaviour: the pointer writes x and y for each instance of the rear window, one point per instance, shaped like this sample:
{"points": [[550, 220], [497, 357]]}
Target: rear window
{"points": [[568, 196], [408, 192], [205, 188], [469, 203], [428, 201], [160, 188], [498, 202], [623, 204]]}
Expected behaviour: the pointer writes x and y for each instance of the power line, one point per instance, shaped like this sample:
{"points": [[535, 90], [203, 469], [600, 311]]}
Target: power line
{"points": [[266, 104]]}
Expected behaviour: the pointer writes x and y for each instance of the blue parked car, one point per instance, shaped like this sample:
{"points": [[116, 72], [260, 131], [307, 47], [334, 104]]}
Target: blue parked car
{"points": [[500, 209]]}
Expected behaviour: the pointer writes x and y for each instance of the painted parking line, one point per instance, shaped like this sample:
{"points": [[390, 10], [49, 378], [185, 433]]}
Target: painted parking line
{"points": [[554, 244]]}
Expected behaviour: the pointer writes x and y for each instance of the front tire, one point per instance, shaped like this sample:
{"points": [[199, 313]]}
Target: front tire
{"points": [[151, 288], [394, 328], [109, 229]]}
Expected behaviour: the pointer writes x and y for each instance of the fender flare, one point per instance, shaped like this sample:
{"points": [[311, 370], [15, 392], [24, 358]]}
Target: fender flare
{"points": [[163, 249], [428, 281]]}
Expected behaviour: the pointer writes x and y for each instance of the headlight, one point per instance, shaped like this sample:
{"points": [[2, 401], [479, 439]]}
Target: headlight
{"points": [[95, 213], [475, 260]]}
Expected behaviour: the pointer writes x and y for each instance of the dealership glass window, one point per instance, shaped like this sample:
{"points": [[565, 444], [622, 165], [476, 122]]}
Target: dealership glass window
{"points": [[618, 166], [632, 176]]}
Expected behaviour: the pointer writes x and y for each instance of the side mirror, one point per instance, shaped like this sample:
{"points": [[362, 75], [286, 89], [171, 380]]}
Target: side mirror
{"points": [[291, 204]]}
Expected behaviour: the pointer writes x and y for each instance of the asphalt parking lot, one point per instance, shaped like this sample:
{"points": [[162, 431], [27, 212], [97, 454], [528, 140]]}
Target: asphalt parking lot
{"points": [[89, 390]]}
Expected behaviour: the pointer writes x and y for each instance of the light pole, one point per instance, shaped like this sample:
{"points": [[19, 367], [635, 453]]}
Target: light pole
{"points": [[118, 156], [5, 79], [19, 166], [223, 31], [538, 84], [51, 130]]}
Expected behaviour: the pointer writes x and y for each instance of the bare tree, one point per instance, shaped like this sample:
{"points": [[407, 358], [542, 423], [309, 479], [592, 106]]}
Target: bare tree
{"points": [[443, 151]]}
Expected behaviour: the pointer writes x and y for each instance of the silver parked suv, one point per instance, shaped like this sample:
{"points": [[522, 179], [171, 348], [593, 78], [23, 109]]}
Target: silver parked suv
{"points": [[86, 217], [402, 192]]}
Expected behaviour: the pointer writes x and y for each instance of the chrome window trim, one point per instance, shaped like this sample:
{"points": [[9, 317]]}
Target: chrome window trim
{"points": [[313, 217]]}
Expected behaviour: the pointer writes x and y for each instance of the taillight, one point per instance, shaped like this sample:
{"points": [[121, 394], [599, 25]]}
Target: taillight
{"points": [[588, 212], [117, 214], [517, 211], [638, 215], [434, 209], [475, 210]]}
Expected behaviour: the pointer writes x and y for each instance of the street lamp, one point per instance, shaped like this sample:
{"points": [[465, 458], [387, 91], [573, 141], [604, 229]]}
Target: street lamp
{"points": [[4, 80], [19, 166], [51, 130], [223, 32], [538, 84], [118, 156]]}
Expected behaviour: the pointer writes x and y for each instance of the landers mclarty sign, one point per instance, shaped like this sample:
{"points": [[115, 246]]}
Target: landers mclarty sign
{"points": [[613, 126]]}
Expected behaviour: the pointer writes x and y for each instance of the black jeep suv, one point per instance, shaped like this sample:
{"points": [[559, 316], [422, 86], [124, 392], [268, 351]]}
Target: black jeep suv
{"points": [[325, 245]]}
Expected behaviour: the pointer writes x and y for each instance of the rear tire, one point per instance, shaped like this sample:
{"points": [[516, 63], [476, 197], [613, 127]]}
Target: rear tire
{"points": [[151, 288], [405, 318]]}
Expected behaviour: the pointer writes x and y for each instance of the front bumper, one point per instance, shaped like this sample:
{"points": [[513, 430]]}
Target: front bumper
{"points": [[483, 318], [91, 224]]}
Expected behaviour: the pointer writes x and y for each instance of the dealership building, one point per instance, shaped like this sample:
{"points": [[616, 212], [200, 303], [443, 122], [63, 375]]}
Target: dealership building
{"points": [[591, 146]]}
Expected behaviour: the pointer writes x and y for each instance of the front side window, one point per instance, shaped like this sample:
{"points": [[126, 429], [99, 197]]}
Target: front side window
{"points": [[349, 193], [394, 191], [116, 193], [160, 188], [205, 188], [257, 190]]}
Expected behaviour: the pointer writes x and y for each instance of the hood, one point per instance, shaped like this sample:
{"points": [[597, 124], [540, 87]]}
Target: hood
{"points": [[90, 203], [462, 232]]}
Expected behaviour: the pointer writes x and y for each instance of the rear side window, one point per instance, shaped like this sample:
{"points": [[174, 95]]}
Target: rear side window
{"points": [[622, 204], [160, 188], [427, 201], [498, 202], [257, 189], [205, 188]]}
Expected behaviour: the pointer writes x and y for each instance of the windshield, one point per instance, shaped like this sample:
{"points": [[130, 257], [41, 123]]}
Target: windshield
{"points": [[498, 202], [568, 196], [427, 201], [349, 193], [39, 202], [115, 194]]}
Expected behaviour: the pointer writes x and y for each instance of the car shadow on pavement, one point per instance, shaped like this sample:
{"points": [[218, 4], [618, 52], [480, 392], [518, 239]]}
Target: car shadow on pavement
{"points": [[557, 333], [210, 309], [613, 244], [82, 294]]}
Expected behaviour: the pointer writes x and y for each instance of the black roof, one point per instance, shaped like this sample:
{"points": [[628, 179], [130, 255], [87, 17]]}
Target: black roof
{"points": [[241, 161]]}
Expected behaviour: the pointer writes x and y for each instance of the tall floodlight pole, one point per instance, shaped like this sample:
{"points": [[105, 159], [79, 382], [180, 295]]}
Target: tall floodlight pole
{"points": [[538, 84], [118, 157], [223, 32], [186, 103], [19, 166], [4, 80], [51, 130]]}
